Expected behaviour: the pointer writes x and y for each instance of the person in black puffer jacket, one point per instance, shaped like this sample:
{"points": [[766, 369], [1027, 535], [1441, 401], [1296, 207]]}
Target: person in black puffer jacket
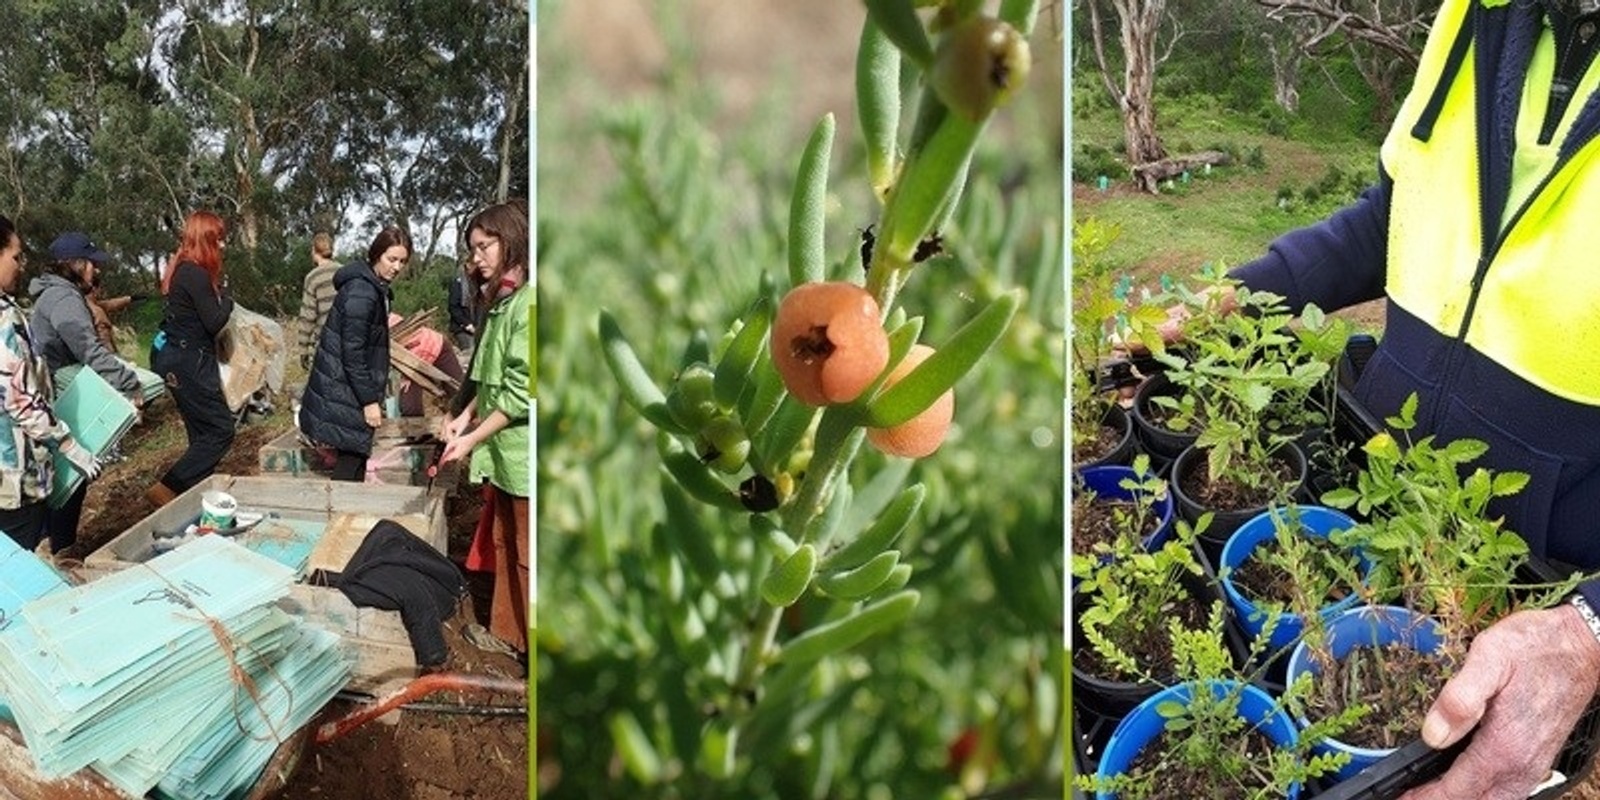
{"points": [[350, 369]]}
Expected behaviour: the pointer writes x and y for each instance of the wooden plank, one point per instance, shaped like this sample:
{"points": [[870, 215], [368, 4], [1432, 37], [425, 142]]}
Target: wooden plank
{"points": [[427, 375], [345, 532], [378, 639]]}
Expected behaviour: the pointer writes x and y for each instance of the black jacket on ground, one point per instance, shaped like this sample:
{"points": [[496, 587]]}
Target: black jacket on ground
{"points": [[396, 571], [351, 366]]}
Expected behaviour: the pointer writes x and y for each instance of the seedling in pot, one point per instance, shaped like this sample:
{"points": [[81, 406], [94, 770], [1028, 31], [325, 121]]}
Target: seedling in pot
{"points": [[1219, 736]]}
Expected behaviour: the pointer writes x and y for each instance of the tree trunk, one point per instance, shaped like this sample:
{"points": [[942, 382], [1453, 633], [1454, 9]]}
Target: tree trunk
{"points": [[1140, 20], [1285, 73]]}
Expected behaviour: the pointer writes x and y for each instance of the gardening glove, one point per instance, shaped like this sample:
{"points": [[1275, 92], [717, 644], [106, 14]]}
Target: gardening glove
{"points": [[1524, 683], [80, 458]]}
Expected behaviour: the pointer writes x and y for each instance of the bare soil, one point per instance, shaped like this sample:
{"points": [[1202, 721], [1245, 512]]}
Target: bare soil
{"points": [[410, 754], [1171, 777], [1150, 648], [1101, 520], [1105, 440], [1398, 685], [1227, 494], [1264, 581]]}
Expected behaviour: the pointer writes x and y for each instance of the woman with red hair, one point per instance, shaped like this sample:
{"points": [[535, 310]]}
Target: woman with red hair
{"points": [[184, 352]]}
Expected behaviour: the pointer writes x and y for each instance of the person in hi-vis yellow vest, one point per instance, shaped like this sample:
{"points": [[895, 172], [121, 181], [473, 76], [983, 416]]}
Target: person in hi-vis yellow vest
{"points": [[1483, 232]]}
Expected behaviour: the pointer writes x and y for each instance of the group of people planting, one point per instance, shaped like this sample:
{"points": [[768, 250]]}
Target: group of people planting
{"points": [[348, 376]]}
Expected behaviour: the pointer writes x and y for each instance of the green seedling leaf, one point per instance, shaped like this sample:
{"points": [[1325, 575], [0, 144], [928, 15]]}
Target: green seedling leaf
{"points": [[785, 584], [881, 533], [637, 387], [807, 261], [1340, 498], [878, 103], [718, 745], [634, 748], [854, 584], [933, 377], [843, 634], [699, 481], [743, 353], [898, 21], [1509, 483]]}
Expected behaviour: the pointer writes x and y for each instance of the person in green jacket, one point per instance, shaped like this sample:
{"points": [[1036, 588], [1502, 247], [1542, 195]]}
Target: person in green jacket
{"points": [[494, 427]]}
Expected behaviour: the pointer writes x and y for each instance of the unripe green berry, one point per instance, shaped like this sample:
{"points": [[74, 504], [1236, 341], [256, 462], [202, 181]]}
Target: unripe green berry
{"points": [[691, 400], [724, 445], [978, 65]]}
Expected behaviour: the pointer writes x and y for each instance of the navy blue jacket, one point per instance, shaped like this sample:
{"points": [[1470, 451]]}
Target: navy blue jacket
{"points": [[351, 365], [1462, 394]]}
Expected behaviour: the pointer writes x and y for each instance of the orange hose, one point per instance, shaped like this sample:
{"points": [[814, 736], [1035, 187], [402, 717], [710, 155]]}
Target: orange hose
{"points": [[421, 687]]}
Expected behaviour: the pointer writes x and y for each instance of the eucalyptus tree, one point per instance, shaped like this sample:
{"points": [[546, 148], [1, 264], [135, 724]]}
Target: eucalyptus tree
{"points": [[286, 116]]}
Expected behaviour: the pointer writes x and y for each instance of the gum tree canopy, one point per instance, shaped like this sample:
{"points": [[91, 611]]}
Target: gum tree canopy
{"points": [[285, 117]]}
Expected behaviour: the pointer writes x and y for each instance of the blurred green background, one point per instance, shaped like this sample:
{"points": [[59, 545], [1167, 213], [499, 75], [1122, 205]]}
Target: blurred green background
{"points": [[669, 135]]}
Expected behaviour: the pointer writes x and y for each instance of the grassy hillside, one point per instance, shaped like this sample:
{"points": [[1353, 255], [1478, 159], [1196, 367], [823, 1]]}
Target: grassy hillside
{"points": [[1274, 184]]}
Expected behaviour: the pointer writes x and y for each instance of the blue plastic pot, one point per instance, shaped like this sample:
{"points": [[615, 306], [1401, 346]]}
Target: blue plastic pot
{"points": [[1366, 626], [1106, 482], [1144, 723], [1313, 521]]}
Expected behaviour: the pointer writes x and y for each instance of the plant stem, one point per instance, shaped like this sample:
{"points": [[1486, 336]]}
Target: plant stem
{"points": [[885, 277], [837, 439]]}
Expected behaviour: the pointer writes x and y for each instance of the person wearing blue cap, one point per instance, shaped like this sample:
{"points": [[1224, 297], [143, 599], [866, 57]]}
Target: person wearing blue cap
{"points": [[27, 421], [64, 333]]}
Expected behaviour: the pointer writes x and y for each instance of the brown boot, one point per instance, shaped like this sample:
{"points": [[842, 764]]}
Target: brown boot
{"points": [[160, 494]]}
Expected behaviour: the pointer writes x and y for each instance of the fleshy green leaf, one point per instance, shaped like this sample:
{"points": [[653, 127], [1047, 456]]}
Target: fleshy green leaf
{"points": [[933, 377], [739, 360], [807, 260], [898, 21], [637, 387], [878, 103]]}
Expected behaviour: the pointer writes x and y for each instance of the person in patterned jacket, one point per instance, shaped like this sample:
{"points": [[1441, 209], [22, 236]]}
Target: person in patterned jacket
{"points": [[29, 429]]}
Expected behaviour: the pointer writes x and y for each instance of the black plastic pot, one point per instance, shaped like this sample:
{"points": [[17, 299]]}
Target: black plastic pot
{"points": [[1116, 418], [1225, 521], [1100, 701], [1158, 441]]}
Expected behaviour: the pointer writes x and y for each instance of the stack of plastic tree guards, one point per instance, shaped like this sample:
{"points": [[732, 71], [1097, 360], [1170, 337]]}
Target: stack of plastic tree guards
{"points": [[23, 577], [178, 675]]}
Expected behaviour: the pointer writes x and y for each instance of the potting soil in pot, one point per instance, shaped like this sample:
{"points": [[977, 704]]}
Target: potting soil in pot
{"points": [[1397, 684]]}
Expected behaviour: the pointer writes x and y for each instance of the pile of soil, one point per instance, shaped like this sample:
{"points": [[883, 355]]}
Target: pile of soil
{"points": [[423, 755]]}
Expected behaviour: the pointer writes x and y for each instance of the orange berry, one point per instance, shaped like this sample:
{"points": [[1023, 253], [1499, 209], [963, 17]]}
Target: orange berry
{"points": [[828, 343], [922, 434]]}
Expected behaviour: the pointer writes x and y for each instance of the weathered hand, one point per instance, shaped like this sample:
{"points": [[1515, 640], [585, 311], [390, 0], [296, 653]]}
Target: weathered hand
{"points": [[1525, 682]]}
